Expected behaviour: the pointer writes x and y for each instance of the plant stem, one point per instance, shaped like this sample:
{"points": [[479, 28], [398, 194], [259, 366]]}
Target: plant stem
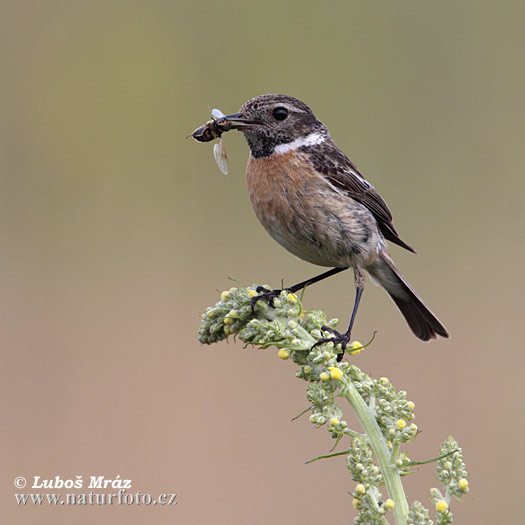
{"points": [[380, 449]]}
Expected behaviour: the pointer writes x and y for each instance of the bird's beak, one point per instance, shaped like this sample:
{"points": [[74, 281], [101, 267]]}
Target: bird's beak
{"points": [[239, 122]]}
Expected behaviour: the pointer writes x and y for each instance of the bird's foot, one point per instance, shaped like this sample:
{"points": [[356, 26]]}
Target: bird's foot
{"points": [[338, 338], [264, 295]]}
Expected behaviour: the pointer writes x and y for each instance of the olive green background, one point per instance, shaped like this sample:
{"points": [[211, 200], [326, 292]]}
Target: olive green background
{"points": [[116, 233]]}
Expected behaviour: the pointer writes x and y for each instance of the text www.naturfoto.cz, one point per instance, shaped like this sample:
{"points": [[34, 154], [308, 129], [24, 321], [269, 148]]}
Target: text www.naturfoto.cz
{"points": [[94, 498]]}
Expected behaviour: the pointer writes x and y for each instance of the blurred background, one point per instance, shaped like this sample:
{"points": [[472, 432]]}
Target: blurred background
{"points": [[116, 233]]}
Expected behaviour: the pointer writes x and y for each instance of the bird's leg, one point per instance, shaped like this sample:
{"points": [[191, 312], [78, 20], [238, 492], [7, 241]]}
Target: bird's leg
{"points": [[270, 295], [339, 338]]}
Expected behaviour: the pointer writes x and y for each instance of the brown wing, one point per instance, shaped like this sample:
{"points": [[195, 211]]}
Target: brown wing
{"points": [[329, 160]]}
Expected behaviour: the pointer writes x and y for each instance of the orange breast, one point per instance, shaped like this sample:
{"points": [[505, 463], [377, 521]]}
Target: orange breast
{"points": [[272, 183], [308, 216]]}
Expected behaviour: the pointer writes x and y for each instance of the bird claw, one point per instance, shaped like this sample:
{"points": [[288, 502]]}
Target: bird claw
{"points": [[264, 295], [338, 338]]}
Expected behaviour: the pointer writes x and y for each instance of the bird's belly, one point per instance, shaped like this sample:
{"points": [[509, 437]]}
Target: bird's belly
{"points": [[307, 216]]}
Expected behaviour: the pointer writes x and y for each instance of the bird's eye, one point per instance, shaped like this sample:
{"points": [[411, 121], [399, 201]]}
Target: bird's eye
{"points": [[280, 113]]}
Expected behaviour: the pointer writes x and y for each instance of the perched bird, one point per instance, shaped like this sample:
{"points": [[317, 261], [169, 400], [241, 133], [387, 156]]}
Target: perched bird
{"points": [[313, 201]]}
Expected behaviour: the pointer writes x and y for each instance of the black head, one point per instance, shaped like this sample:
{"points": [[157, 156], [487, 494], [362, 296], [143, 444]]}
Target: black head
{"points": [[275, 120]]}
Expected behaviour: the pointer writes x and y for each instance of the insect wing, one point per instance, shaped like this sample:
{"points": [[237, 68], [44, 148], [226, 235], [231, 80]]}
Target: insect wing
{"points": [[217, 114], [220, 156]]}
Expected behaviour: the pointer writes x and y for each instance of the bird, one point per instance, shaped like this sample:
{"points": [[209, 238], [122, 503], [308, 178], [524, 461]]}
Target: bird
{"points": [[314, 202]]}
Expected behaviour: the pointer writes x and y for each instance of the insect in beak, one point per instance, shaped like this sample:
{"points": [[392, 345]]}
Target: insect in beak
{"points": [[237, 121], [214, 128]]}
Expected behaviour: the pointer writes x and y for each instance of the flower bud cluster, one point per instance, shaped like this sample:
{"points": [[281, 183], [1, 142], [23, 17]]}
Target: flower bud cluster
{"points": [[360, 463], [418, 515], [228, 316], [368, 501], [451, 469], [323, 408], [277, 324], [452, 473], [393, 412]]}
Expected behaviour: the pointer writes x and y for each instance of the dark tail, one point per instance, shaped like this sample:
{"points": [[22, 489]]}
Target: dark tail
{"points": [[421, 320]]}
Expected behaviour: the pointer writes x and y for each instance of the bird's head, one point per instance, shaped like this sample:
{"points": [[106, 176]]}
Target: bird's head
{"points": [[273, 123]]}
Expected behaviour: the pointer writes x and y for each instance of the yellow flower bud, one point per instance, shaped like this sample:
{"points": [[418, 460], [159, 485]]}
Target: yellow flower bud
{"points": [[284, 353], [227, 330], [389, 504], [334, 422], [410, 405], [251, 294], [225, 295], [356, 503], [384, 380], [401, 424], [360, 488], [462, 483], [228, 320], [291, 298], [324, 376], [441, 505], [354, 348], [448, 465], [336, 373]]}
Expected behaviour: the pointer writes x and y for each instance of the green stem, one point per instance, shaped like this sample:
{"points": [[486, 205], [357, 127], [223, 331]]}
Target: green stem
{"points": [[394, 453], [379, 447]]}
